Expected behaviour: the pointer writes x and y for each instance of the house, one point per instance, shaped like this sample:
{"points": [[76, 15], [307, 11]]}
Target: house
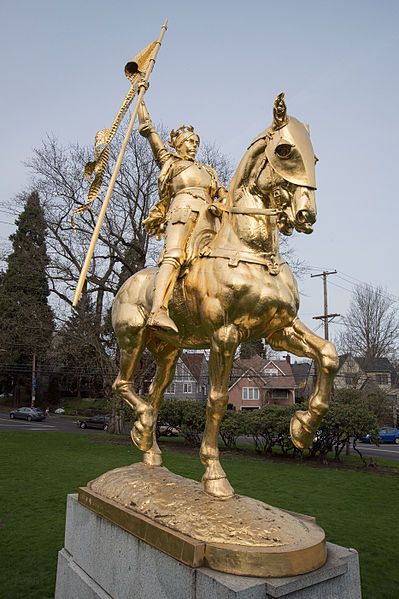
{"points": [[355, 372], [256, 382], [367, 375], [350, 373], [191, 377], [304, 374], [381, 371]]}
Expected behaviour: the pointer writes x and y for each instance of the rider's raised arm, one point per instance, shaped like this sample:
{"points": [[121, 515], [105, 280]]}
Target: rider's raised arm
{"points": [[147, 129]]}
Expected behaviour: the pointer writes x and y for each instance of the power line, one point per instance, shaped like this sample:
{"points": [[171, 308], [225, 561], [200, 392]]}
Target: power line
{"points": [[389, 295], [350, 278], [340, 287], [326, 316]]}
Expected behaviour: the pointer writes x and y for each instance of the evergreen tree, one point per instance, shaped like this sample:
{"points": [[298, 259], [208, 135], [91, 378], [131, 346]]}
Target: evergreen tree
{"points": [[76, 351], [248, 349], [26, 319]]}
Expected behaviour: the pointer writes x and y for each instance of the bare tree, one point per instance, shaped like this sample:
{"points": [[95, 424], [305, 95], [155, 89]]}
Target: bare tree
{"points": [[122, 248], [123, 243], [211, 153], [371, 325]]}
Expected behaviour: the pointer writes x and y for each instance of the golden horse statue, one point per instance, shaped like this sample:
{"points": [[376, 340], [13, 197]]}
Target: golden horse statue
{"points": [[239, 288]]}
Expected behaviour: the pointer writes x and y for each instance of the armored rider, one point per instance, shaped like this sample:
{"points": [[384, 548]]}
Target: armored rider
{"points": [[185, 185]]}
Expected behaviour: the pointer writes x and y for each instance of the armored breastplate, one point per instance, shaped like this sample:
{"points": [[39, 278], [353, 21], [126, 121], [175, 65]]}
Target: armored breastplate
{"points": [[190, 174]]}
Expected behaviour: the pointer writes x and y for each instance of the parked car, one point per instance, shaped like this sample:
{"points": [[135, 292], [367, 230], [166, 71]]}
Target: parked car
{"points": [[388, 434], [59, 411], [94, 422], [28, 414], [168, 431]]}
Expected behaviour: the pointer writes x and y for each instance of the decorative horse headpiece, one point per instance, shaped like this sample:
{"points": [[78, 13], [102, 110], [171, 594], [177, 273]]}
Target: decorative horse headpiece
{"points": [[177, 136], [280, 118], [289, 149]]}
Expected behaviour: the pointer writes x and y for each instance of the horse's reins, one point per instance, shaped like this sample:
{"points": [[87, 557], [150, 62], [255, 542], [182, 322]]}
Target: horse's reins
{"points": [[248, 211]]}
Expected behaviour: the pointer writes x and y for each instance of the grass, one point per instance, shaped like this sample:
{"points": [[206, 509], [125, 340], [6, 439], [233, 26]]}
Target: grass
{"points": [[356, 509]]}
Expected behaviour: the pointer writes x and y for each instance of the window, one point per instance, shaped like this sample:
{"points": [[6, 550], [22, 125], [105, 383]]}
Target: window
{"points": [[250, 393], [187, 388], [350, 379], [271, 372], [279, 393], [246, 408], [171, 389], [381, 379]]}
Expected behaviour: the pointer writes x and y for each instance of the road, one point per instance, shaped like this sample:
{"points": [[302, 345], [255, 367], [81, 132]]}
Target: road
{"points": [[386, 451], [52, 423], [59, 424]]}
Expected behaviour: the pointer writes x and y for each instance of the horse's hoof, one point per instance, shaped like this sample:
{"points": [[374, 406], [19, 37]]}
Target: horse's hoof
{"points": [[142, 431], [152, 458], [219, 488], [301, 433], [141, 438]]}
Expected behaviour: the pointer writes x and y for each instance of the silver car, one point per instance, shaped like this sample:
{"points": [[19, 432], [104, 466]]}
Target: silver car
{"points": [[27, 414]]}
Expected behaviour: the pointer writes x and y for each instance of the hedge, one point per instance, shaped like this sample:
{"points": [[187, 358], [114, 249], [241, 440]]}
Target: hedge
{"points": [[348, 420]]}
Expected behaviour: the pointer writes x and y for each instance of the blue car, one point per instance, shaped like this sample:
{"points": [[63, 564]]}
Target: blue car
{"points": [[386, 435]]}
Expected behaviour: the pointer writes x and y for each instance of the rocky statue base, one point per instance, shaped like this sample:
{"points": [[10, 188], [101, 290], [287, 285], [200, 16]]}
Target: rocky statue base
{"points": [[113, 550]]}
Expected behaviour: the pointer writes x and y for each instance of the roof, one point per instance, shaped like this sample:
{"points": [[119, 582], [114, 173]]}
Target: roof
{"points": [[194, 362], [369, 364], [375, 364], [254, 369], [343, 357]]}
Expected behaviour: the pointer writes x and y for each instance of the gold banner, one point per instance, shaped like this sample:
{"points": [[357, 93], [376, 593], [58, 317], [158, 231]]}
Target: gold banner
{"points": [[104, 137]]}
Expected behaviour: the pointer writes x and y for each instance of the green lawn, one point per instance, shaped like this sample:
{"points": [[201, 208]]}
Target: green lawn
{"points": [[356, 509]]}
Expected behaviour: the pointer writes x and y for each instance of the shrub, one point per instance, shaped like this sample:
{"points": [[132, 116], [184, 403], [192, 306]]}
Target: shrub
{"points": [[348, 419], [234, 425], [188, 416], [264, 425], [86, 407]]}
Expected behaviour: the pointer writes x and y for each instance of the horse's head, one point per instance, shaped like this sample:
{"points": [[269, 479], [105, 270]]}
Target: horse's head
{"points": [[288, 176]]}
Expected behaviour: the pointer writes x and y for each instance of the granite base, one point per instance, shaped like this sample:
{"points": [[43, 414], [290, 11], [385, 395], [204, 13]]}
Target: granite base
{"points": [[102, 561]]}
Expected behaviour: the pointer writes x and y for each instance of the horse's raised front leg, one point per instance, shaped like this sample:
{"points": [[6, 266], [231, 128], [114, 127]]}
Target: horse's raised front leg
{"points": [[131, 342], [301, 341], [166, 357], [223, 346]]}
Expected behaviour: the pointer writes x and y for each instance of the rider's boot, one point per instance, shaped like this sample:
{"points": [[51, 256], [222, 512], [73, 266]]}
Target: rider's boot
{"points": [[164, 283]]}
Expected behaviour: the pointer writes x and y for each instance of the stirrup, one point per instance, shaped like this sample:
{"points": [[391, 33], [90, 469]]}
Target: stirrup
{"points": [[161, 320]]}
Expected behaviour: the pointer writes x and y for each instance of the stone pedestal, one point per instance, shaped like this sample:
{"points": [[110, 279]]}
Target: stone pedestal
{"points": [[102, 561]]}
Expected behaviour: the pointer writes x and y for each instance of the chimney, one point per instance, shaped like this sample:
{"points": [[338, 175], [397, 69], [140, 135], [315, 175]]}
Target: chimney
{"points": [[288, 358]]}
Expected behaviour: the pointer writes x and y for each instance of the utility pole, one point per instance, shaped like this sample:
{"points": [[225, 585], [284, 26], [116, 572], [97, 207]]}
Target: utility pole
{"points": [[326, 315], [33, 381]]}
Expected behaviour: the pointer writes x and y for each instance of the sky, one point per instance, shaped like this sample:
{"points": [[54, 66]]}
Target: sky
{"points": [[220, 67]]}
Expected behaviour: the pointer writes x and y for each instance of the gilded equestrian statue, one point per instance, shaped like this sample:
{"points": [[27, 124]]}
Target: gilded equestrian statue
{"points": [[229, 286]]}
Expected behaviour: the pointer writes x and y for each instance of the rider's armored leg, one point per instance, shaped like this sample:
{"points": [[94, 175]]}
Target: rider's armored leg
{"points": [[178, 231], [164, 283]]}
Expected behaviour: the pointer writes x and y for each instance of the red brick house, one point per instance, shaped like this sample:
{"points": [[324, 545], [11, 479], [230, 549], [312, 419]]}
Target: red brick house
{"points": [[256, 382]]}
